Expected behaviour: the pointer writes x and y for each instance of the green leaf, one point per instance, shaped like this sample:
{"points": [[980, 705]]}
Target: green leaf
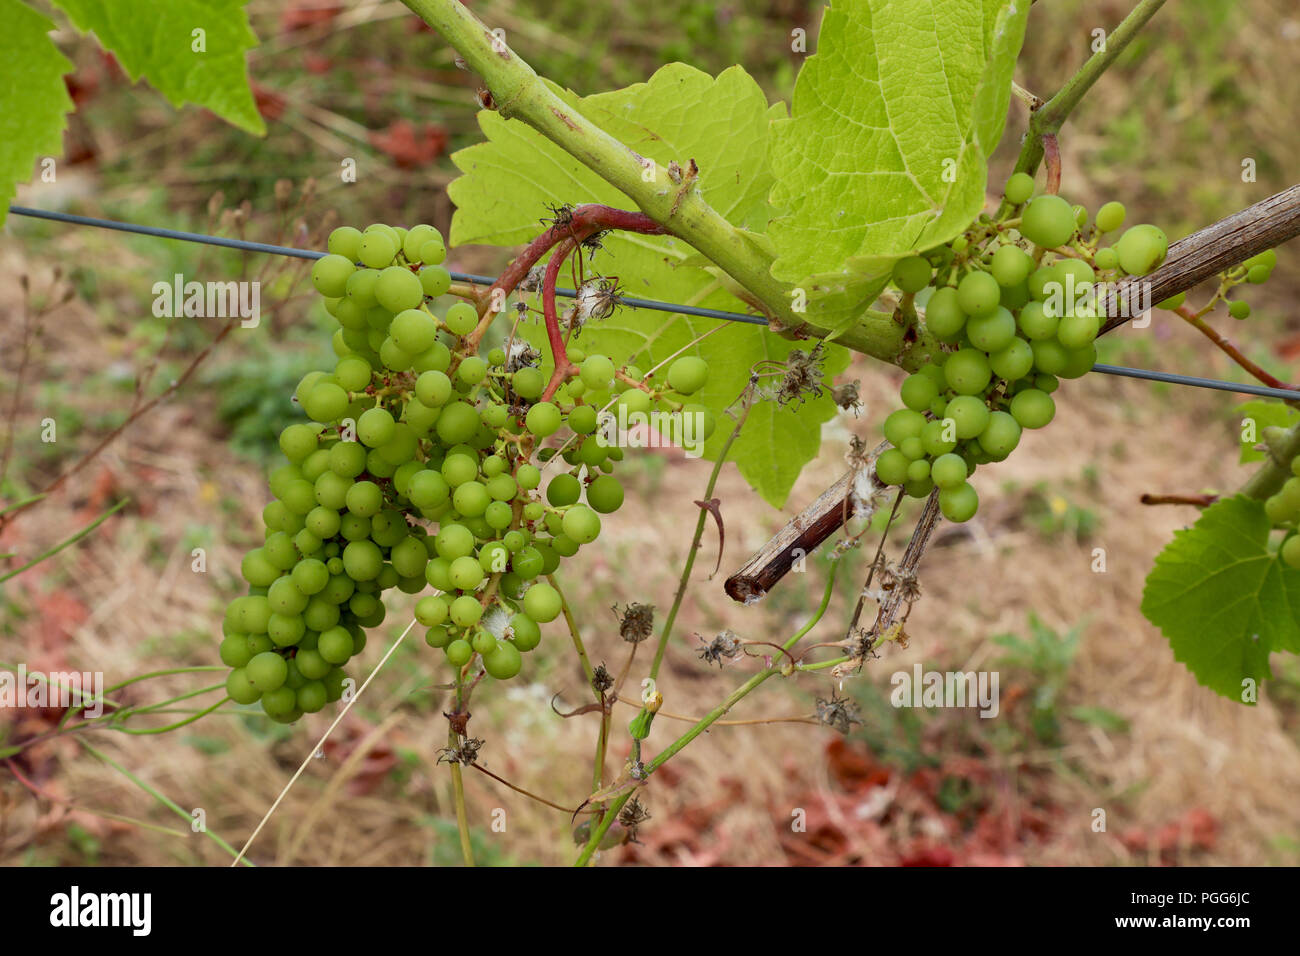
{"points": [[886, 149], [1223, 599], [1266, 414], [156, 39], [33, 98], [509, 182]]}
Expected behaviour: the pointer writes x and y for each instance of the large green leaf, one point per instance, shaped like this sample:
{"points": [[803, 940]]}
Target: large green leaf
{"points": [[1223, 599], [892, 123], [33, 98], [679, 114], [156, 39]]}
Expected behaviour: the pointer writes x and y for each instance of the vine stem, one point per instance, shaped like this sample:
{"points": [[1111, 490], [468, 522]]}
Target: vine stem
{"points": [[458, 792], [1230, 349], [1047, 120], [717, 713], [700, 524]]}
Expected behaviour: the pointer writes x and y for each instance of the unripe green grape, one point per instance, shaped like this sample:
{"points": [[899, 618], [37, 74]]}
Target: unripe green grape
{"points": [[969, 415], [240, 689], [912, 273], [543, 419], [375, 427], [1011, 265], [1077, 331], [527, 563], [364, 498], [1110, 216], [605, 494], [352, 373], [967, 371], [1290, 551], [1238, 309], [465, 611], [1001, 435], [297, 442], [918, 391], [1049, 356], [437, 637], [912, 448], [503, 661], [499, 515], [257, 570], [1013, 362], [254, 614], [582, 524], [1278, 509], [891, 466], [1015, 296], [454, 541], [397, 290], [528, 477], [959, 503], [472, 370], [362, 560], [345, 241], [336, 645], [635, 401], [1019, 188], [1141, 249], [427, 490], [361, 288], [542, 603], [458, 422], [903, 424], [266, 671], [978, 294], [1079, 362], [330, 275], [583, 420], [948, 471], [326, 402], [534, 510], [459, 652], [1173, 302], [465, 573], [414, 330], [461, 318], [393, 357], [234, 650], [597, 371], [310, 576], [705, 425], [471, 499], [943, 314], [528, 382], [992, 332], [526, 634], [502, 488], [564, 489], [1032, 408], [483, 643], [283, 597], [918, 489], [1048, 222], [494, 558], [933, 438], [918, 470], [688, 374]]}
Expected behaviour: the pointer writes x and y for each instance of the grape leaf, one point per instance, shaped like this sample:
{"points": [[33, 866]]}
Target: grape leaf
{"points": [[156, 39], [1224, 601], [1266, 414], [509, 182], [892, 123], [33, 98]]}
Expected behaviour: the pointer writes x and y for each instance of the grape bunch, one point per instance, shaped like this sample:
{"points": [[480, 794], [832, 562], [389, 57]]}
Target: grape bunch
{"points": [[422, 466], [1283, 510], [1012, 300]]}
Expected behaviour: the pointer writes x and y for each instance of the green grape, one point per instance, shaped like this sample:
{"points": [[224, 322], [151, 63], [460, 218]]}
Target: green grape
{"points": [[583, 420], [1239, 309], [345, 241], [528, 382], [502, 487], [398, 290], [409, 555], [1001, 435], [362, 560], [918, 391], [310, 576], [582, 524], [1079, 362], [935, 437], [912, 273], [494, 557], [240, 688], [472, 370], [1011, 265], [465, 611], [1107, 259], [1032, 408], [912, 448], [978, 294], [1019, 188], [461, 318], [437, 637], [413, 330], [918, 489], [903, 424], [543, 419], [375, 427], [503, 661], [284, 630], [959, 503], [564, 489], [434, 280], [918, 471], [483, 644], [458, 469], [326, 402], [597, 371], [1049, 356], [1110, 216], [267, 671], [943, 314], [1173, 302], [1077, 331], [635, 401], [458, 422], [969, 416], [364, 498], [948, 471], [361, 288], [393, 357], [330, 275], [454, 541], [335, 645], [297, 442], [1290, 551], [376, 250], [257, 570], [542, 602], [459, 652], [967, 371], [1014, 362], [605, 494], [1048, 222], [1141, 248], [527, 635], [891, 466], [465, 573], [470, 499], [687, 375], [1278, 509], [234, 650], [992, 332]]}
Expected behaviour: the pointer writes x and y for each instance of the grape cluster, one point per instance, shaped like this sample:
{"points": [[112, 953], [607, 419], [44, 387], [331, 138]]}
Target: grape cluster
{"points": [[1283, 510], [413, 425], [1012, 301]]}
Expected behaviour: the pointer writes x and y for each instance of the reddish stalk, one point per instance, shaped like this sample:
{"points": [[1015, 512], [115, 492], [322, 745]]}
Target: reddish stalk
{"points": [[1052, 160], [564, 369], [1229, 349], [1199, 501]]}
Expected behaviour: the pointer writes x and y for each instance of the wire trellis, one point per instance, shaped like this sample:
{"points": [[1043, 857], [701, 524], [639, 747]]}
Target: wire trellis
{"points": [[264, 247]]}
